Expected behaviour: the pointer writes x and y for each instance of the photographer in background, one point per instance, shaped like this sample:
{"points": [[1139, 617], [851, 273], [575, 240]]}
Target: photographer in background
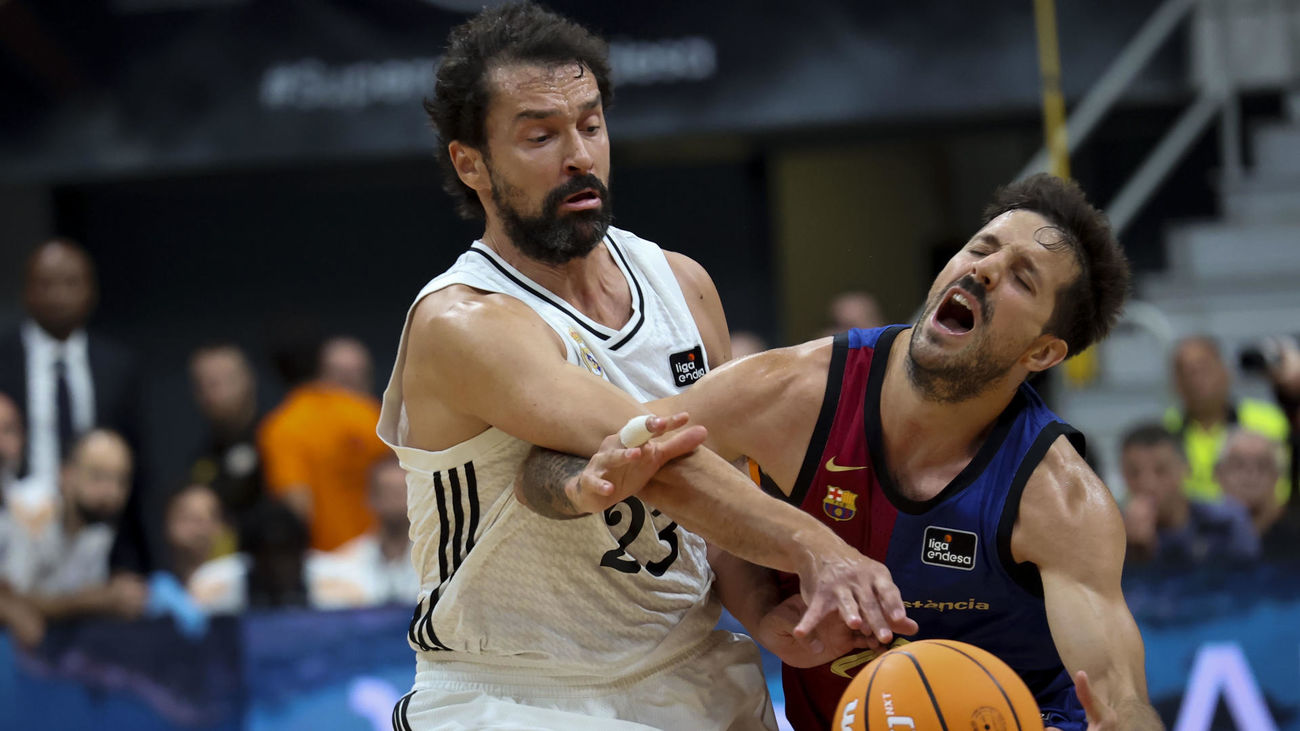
{"points": [[1279, 358]]}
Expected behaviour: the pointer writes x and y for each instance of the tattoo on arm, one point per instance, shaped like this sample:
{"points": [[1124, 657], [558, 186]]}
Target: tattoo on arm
{"points": [[541, 482]]}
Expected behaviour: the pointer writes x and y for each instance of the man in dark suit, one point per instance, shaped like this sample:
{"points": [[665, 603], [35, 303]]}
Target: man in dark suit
{"points": [[66, 379]]}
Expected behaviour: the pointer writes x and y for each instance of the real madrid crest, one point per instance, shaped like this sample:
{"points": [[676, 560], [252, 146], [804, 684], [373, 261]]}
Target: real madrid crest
{"points": [[840, 504], [585, 355]]}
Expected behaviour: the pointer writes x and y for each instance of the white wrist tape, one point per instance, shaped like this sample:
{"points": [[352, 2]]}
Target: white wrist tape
{"points": [[635, 432]]}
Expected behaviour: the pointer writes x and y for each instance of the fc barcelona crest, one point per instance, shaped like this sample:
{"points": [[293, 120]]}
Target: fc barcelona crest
{"points": [[840, 504]]}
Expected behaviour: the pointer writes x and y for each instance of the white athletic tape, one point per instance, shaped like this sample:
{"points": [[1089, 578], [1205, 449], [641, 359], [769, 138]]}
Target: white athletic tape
{"points": [[635, 432]]}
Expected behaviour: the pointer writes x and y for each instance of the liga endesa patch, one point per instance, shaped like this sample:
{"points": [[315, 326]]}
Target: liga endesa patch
{"points": [[687, 366], [954, 549]]}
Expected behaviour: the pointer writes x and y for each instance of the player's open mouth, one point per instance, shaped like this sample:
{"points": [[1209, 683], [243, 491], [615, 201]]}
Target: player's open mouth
{"points": [[957, 314], [582, 200]]}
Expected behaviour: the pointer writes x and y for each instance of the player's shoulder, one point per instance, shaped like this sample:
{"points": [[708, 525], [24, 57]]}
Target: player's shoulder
{"points": [[1062, 475], [691, 275], [1064, 502], [459, 310]]}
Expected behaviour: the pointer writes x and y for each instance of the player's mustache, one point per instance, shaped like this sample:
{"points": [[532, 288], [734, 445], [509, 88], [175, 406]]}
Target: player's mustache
{"points": [[973, 286], [576, 185]]}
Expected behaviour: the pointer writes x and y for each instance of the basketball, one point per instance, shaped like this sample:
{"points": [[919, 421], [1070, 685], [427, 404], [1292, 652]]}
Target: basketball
{"points": [[937, 684]]}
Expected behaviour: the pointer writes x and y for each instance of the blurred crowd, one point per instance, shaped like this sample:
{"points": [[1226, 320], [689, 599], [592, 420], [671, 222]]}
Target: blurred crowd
{"points": [[1214, 479], [292, 504], [299, 503]]}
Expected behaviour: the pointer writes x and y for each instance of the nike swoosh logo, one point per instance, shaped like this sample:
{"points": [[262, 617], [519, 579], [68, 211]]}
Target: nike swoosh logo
{"points": [[832, 467]]}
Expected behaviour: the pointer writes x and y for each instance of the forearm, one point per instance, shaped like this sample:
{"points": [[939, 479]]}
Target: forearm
{"points": [[710, 498], [704, 494], [1138, 714], [545, 480], [749, 592]]}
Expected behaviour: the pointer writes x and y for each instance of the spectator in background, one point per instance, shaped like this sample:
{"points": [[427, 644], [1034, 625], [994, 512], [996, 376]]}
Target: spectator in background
{"points": [[64, 569], [855, 309], [318, 445], [744, 342], [27, 504], [269, 570], [11, 442], [66, 379], [1208, 411], [346, 362], [17, 614], [194, 528], [1161, 522], [1248, 468], [374, 568], [277, 551], [1284, 373], [225, 390]]}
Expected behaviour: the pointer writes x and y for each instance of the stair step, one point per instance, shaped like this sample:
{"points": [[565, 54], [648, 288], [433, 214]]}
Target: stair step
{"points": [[1207, 251], [1264, 199], [1277, 148]]}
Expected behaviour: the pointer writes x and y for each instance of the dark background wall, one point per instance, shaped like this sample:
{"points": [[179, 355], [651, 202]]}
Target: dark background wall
{"points": [[188, 260]]}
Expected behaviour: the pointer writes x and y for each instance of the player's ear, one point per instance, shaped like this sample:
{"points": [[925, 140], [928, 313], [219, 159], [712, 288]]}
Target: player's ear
{"points": [[1046, 351], [469, 164]]}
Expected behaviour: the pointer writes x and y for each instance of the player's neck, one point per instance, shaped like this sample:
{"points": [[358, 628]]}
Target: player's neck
{"points": [[593, 284], [928, 431]]}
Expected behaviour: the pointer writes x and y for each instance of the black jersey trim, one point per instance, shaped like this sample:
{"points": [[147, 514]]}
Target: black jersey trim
{"points": [[639, 305], [1026, 574], [399, 713], [458, 511], [825, 419], [471, 485], [444, 527], [876, 443], [455, 541]]}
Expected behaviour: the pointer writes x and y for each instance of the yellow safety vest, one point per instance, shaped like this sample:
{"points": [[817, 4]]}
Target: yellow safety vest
{"points": [[1202, 445]]}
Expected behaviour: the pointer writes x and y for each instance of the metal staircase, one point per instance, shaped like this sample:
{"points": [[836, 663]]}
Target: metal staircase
{"points": [[1237, 278]]}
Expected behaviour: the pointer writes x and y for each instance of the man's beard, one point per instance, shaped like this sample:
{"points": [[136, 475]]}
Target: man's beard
{"points": [[967, 374], [549, 237]]}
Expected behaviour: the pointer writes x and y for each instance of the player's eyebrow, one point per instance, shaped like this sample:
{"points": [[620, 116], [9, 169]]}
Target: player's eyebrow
{"points": [[990, 239], [532, 114]]}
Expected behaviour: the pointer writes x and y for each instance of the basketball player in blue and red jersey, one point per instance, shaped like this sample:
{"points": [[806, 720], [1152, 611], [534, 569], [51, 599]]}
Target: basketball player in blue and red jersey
{"points": [[924, 447]]}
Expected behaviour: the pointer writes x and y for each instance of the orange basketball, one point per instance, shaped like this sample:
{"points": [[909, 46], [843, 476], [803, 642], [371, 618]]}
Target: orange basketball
{"points": [[937, 684]]}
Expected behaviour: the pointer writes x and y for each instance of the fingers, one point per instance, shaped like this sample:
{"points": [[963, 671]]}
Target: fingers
{"points": [[817, 610], [875, 624], [680, 443], [891, 604], [664, 424], [1086, 698]]}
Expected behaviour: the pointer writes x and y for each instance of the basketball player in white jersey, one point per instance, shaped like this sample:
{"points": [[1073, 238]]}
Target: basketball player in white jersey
{"points": [[550, 330]]}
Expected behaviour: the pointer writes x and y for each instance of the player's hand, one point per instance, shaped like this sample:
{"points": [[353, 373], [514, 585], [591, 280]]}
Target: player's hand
{"points": [[1101, 717], [830, 639], [836, 578], [617, 472]]}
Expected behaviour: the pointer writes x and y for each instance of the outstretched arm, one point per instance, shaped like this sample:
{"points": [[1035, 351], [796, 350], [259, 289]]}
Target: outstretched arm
{"points": [[1070, 527], [759, 406]]}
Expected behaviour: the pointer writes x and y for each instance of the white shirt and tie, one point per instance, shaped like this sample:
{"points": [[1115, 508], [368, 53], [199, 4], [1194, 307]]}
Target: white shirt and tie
{"points": [[44, 353]]}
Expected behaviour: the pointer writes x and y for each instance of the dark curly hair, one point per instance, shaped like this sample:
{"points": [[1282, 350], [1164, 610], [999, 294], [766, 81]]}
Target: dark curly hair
{"points": [[515, 33], [1087, 308]]}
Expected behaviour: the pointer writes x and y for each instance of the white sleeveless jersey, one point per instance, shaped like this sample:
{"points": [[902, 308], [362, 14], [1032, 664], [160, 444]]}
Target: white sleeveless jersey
{"points": [[592, 599]]}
